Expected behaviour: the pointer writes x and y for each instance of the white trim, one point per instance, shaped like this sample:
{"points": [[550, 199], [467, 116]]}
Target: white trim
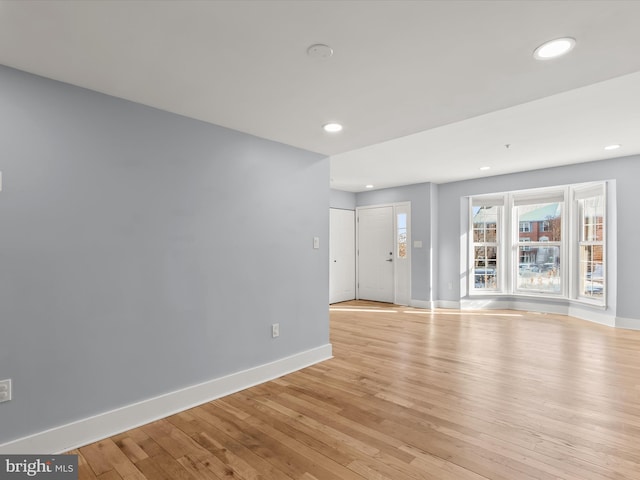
{"points": [[447, 304], [428, 304], [583, 312], [88, 430], [590, 315], [512, 304], [629, 323]]}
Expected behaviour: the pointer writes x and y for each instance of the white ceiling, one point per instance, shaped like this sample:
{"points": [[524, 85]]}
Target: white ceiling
{"points": [[426, 90]]}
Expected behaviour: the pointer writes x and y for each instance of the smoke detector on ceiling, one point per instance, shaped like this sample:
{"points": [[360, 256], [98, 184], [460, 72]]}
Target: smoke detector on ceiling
{"points": [[320, 50]]}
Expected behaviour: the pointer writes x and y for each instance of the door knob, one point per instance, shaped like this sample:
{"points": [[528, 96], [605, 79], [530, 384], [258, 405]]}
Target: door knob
{"points": [[389, 260]]}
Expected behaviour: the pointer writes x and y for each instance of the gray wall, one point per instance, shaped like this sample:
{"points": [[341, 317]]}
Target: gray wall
{"points": [[625, 171], [419, 195], [342, 200], [142, 252]]}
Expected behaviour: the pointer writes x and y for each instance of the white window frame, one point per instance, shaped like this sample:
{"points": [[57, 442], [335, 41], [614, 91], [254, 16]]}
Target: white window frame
{"points": [[509, 241], [592, 191], [498, 245], [543, 196]]}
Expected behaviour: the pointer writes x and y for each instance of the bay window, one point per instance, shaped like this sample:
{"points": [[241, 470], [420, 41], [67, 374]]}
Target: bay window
{"points": [[544, 242]]}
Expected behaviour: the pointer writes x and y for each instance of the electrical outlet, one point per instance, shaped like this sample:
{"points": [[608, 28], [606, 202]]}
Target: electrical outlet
{"points": [[5, 390], [275, 330]]}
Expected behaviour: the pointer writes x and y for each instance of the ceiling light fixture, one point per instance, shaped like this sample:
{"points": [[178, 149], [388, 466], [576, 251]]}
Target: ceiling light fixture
{"points": [[368, 186], [485, 168], [332, 127], [554, 48], [612, 147]]}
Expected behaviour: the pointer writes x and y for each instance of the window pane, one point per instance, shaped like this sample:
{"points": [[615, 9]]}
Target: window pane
{"points": [[402, 221], [485, 267], [539, 269], [491, 234], [591, 271], [402, 235], [485, 224], [591, 268], [592, 214], [541, 222]]}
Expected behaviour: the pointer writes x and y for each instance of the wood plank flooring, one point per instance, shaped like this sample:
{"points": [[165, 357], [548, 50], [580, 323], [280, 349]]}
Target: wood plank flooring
{"points": [[411, 394]]}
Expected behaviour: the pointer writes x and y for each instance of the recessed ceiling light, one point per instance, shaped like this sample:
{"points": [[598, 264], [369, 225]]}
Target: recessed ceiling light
{"points": [[332, 127], [554, 48], [485, 168], [612, 147], [368, 186]]}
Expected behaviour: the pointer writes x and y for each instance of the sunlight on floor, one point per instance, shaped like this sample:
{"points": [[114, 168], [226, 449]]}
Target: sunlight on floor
{"points": [[373, 309], [432, 312], [368, 310]]}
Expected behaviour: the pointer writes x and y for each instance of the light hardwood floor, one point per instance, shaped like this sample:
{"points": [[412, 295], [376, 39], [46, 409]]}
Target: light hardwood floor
{"points": [[412, 394]]}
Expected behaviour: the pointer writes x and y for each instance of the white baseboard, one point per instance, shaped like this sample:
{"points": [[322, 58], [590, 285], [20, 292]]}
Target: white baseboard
{"points": [[429, 305], [596, 315], [583, 312], [447, 304], [592, 315], [88, 430], [629, 323], [490, 303]]}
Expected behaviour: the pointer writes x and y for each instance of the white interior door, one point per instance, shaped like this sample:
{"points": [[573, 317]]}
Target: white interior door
{"points": [[342, 255], [375, 254]]}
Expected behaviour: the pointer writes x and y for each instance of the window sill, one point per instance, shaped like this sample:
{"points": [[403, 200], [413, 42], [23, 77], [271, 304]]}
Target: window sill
{"points": [[579, 302], [585, 302]]}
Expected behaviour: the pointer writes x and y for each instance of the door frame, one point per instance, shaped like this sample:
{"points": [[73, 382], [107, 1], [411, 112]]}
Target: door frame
{"points": [[398, 207]]}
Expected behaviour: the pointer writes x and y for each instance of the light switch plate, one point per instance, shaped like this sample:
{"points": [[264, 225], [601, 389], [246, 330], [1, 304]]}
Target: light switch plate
{"points": [[316, 242], [5, 390]]}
